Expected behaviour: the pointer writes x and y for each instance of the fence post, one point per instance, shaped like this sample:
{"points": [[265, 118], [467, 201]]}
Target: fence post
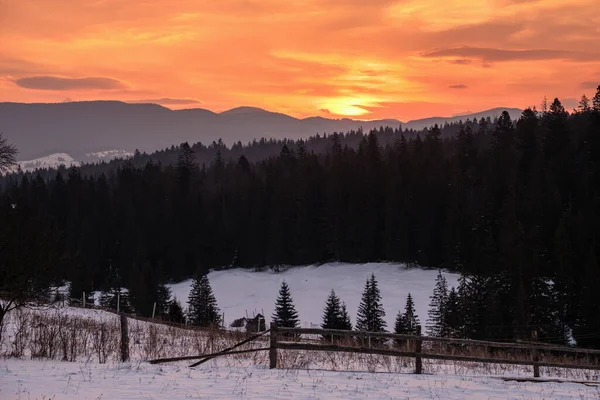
{"points": [[153, 310], [536, 357], [124, 339], [273, 348], [83, 300], [118, 301], [418, 360]]}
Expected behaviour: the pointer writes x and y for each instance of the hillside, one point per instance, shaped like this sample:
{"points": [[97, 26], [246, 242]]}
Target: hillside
{"points": [[79, 128], [241, 291]]}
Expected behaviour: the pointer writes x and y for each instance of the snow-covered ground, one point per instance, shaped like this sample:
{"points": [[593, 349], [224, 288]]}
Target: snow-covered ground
{"points": [[51, 161], [242, 291], [90, 339], [20, 379], [57, 159]]}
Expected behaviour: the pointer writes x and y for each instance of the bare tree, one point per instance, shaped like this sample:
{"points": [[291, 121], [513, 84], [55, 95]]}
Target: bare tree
{"points": [[8, 154]]}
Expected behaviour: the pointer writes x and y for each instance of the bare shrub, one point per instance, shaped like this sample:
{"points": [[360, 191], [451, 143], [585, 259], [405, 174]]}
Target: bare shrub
{"points": [[22, 332], [103, 341]]}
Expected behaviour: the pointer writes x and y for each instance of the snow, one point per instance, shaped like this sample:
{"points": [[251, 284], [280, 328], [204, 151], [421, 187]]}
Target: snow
{"points": [[27, 379], [57, 159], [51, 161], [107, 155], [241, 291]]}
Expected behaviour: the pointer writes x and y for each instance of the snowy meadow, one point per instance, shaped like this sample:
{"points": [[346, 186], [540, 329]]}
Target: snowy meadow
{"points": [[73, 353]]}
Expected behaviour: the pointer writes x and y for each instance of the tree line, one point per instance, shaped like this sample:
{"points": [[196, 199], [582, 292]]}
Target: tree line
{"points": [[513, 205]]}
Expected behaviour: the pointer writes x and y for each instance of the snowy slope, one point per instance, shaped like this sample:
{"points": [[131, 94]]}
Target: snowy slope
{"points": [[27, 379], [239, 291], [51, 161], [57, 159], [107, 155]]}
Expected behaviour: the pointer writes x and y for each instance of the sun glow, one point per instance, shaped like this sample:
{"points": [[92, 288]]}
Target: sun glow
{"points": [[378, 59], [345, 106]]}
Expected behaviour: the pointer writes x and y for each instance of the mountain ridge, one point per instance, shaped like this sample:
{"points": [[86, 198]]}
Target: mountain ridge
{"points": [[84, 127]]}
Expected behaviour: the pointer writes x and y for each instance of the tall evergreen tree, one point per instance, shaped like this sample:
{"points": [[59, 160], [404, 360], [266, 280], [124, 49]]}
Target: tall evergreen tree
{"points": [[285, 314], [407, 322], [332, 314], [596, 100], [453, 324], [371, 314], [202, 305], [346, 324], [437, 307], [175, 312]]}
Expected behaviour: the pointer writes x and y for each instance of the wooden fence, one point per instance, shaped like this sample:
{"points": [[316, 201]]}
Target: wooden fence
{"points": [[279, 336]]}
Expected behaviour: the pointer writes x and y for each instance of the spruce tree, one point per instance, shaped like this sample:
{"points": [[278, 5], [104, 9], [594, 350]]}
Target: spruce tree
{"points": [[436, 321], [332, 314], [453, 325], [407, 322], [370, 310], [175, 312], [285, 314], [346, 324], [596, 100], [202, 305], [163, 300]]}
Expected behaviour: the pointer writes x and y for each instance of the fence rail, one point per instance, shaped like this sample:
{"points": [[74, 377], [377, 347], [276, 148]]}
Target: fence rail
{"points": [[280, 334]]}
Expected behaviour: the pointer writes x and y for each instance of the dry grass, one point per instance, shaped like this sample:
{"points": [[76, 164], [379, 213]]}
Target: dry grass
{"points": [[59, 335]]}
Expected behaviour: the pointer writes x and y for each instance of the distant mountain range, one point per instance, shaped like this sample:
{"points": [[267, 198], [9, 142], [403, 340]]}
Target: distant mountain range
{"points": [[78, 130]]}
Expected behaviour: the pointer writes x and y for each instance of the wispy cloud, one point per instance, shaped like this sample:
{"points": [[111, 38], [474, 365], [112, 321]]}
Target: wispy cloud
{"points": [[60, 83], [167, 101], [490, 54], [458, 86]]}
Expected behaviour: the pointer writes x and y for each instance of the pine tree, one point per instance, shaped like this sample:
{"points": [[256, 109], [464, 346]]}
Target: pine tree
{"points": [[346, 324], [584, 104], [175, 313], [163, 300], [596, 100], [435, 322], [452, 326], [202, 305], [285, 314], [407, 322], [370, 311], [332, 314]]}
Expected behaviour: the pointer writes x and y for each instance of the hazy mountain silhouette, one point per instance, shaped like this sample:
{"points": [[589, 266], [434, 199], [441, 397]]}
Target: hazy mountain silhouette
{"points": [[78, 128]]}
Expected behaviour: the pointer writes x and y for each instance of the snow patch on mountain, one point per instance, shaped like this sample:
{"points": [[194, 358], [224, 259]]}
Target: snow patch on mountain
{"points": [[51, 161]]}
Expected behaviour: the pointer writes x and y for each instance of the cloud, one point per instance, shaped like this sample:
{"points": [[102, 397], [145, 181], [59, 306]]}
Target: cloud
{"points": [[167, 101], [59, 83], [459, 86], [590, 84], [460, 61], [499, 55]]}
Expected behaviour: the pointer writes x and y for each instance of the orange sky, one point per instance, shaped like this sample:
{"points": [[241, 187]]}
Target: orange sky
{"points": [[401, 59]]}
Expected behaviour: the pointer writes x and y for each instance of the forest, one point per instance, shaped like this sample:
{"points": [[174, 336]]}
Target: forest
{"points": [[512, 205]]}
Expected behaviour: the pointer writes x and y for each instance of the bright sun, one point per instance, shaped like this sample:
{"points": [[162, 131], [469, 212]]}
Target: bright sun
{"points": [[344, 106]]}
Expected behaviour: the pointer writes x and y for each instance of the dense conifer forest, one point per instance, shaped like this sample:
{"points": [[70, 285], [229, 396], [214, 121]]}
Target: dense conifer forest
{"points": [[513, 205]]}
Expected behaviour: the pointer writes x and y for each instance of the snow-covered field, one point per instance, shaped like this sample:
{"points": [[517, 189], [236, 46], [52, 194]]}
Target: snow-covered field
{"points": [[90, 339], [242, 291], [218, 380]]}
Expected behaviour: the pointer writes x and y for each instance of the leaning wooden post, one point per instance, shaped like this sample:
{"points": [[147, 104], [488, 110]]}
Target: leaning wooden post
{"points": [[124, 339], [536, 357], [273, 348], [418, 360]]}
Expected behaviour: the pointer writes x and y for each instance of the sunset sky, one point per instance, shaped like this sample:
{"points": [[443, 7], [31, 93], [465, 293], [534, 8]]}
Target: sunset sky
{"points": [[368, 59]]}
